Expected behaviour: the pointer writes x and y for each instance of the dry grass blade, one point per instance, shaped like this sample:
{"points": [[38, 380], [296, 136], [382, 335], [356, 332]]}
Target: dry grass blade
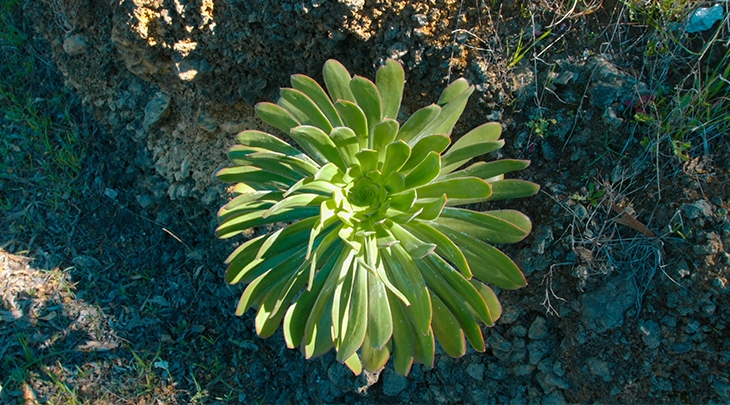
{"points": [[625, 218]]}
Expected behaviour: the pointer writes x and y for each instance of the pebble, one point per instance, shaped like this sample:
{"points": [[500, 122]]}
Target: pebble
{"points": [[74, 45], [538, 329], [145, 200], [537, 349], [683, 347], [697, 209], [157, 109], [476, 371], [206, 122], [496, 371], [650, 333], [599, 368], [604, 308]]}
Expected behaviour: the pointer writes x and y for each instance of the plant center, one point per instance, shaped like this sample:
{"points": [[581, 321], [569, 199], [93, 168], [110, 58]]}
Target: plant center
{"points": [[364, 193]]}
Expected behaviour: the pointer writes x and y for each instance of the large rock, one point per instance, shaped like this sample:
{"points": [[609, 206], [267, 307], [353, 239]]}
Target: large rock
{"points": [[215, 58]]}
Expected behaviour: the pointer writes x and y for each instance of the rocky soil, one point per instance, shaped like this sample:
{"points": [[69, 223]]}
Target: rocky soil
{"points": [[628, 264]]}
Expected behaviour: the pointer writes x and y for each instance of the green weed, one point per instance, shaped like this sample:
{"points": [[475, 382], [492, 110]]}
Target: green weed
{"points": [[41, 146]]}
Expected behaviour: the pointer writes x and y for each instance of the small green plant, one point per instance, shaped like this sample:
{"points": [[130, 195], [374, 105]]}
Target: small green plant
{"points": [[540, 126], [375, 260]]}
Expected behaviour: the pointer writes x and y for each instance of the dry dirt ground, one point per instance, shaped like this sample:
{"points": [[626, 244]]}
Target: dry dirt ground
{"points": [[119, 297]]}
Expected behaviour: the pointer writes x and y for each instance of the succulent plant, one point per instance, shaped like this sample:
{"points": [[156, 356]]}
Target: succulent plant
{"points": [[365, 251]]}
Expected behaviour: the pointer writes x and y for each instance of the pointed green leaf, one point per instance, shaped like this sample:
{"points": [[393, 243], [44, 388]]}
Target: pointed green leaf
{"points": [[368, 160], [239, 224], [311, 88], [297, 314], [488, 170], [374, 359], [322, 308], [470, 187], [495, 308], [415, 247], [250, 174], [357, 319], [383, 135], [407, 278], [337, 80], [403, 201], [464, 292], [295, 201], [266, 281], [274, 162], [457, 157], [305, 104], [417, 123], [354, 364], [509, 189], [396, 155], [248, 202], [450, 113], [276, 116], [240, 257], [347, 145], [430, 207], [433, 269], [447, 330], [258, 139], [504, 226], [354, 117], [456, 87], [486, 262], [444, 246], [402, 338], [390, 79], [433, 143], [380, 320], [318, 145], [425, 171], [309, 185], [395, 183], [368, 98]]}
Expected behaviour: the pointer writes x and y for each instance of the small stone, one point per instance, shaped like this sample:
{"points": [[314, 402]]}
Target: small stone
{"points": [[697, 209], [580, 212], [74, 45], [476, 371], [189, 70], [537, 349], [604, 308], [206, 122], [497, 342], [599, 368], [111, 193], [683, 347], [538, 329], [496, 371], [554, 398], [233, 127], [564, 78], [650, 333], [548, 151], [611, 119], [157, 109], [692, 327], [145, 200]]}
